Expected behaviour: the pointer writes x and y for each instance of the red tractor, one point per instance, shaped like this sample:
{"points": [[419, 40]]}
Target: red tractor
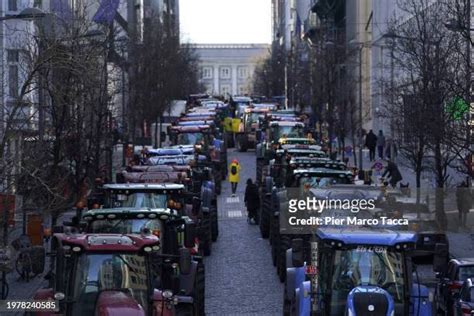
{"points": [[120, 274]]}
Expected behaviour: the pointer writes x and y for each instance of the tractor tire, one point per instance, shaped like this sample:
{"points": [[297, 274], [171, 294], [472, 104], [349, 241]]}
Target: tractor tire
{"points": [[285, 244], [274, 251], [206, 235], [240, 139], [199, 291], [214, 223], [265, 217], [259, 170]]}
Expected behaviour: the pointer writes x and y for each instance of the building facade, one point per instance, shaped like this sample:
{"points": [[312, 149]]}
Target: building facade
{"points": [[227, 69]]}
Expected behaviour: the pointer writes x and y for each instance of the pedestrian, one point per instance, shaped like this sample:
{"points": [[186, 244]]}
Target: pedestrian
{"points": [[393, 172], [234, 170], [380, 143], [388, 149], [370, 143], [252, 201], [464, 202]]}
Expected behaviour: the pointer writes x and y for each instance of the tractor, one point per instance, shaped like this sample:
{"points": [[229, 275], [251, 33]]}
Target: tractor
{"points": [[354, 271], [121, 274], [167, 195]]}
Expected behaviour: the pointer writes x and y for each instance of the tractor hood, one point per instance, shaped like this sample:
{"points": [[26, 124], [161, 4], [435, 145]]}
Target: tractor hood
{"points": [[116, 303]]}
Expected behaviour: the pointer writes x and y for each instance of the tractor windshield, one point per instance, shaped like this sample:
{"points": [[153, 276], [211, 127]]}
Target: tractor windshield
{"points": [[141, 199], [99, 275], [365, 266], [321, 182], [286, 131], [190, 138], [125, 226]]}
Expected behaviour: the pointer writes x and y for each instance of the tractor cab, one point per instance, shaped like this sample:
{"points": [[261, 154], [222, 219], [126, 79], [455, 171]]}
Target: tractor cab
{"points": [[132, 195], [349, 271], [164, 223], [284, 129], [115, 274], [319, 177]]}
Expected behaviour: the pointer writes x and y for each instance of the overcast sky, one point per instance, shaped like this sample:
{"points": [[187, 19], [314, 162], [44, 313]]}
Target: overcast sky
{"points": [[225, 21]]}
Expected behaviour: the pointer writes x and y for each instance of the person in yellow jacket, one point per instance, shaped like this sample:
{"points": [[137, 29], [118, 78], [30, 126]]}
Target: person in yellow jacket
{"points": [[234, 171]]}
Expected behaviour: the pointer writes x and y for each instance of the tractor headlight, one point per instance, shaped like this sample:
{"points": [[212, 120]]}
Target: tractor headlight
{"points": [[167, 294]]}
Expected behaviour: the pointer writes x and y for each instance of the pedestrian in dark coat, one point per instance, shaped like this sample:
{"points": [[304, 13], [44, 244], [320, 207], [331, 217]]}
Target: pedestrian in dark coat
{"points": [[380, 143], [394, 173], [252, 200], [371, 143], [464, 202]]}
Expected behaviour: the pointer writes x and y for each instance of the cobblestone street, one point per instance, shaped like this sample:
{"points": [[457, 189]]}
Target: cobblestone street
{"points": [[240, 277]]}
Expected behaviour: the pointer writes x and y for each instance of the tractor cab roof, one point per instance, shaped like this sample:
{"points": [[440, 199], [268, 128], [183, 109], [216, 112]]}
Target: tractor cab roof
{"points": [[302, 152], [366, 236], [297, 140], [191, 129], [175, 161], [197, 122], [310, 172], [130, 188], [316, 162], [130, 213], [108, 242], [286, 123]]}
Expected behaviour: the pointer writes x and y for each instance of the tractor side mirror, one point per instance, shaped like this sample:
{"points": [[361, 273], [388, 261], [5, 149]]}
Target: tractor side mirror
{"points": [[184, 260], [297, 252], [189, 235], [440, 259]]}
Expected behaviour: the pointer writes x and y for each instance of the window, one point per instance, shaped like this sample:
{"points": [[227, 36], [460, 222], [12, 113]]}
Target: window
{"points": [[12, 56], [243, 72], [206, 73], [13, 80], [242, 90], [225, 90], [38, 4], [225, 72], [12, 5]]}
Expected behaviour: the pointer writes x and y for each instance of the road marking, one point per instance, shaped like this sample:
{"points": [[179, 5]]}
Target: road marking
{"points": [[234, 214], [233, 199]]}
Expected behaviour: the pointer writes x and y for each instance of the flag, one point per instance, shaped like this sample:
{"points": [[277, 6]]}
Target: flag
{"points": [[106, 12]]}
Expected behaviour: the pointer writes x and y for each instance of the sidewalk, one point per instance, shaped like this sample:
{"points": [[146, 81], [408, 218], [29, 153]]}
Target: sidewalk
{"points": [[461, 240]]}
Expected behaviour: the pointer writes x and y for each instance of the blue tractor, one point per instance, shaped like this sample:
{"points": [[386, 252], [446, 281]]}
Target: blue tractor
{"points": [[354, 271]]}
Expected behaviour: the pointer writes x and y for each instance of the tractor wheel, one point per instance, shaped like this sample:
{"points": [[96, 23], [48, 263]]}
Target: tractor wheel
{"points": [[275, 244], [199, 291], [206, 235], [285, 244], [259, 170], [214, 223], [265, 218]]}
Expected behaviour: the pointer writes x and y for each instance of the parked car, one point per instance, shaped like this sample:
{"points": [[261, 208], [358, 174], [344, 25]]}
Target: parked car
{"points": [[464, 302], [450, 283]]}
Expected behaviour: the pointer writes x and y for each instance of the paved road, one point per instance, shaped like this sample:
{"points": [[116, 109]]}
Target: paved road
{"points": [[240, 277]]}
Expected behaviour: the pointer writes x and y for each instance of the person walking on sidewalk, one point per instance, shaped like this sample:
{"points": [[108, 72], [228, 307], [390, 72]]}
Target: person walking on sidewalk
{"points": [[252, 201], [380, 143], [234, 171], [370, 143], [394, 173], [464, 202]]}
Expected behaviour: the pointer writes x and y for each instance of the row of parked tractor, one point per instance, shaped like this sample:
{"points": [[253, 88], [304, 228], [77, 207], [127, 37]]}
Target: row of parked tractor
{"points": [[337, 269], [138, 247]]}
